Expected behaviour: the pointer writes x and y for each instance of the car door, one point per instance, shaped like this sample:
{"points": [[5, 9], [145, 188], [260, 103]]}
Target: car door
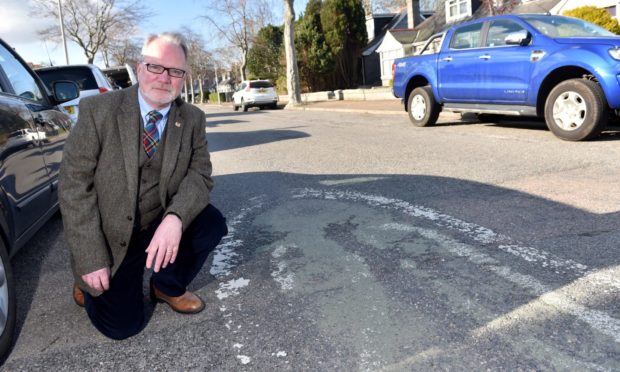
{"points": [[504, 69], [459, 72], [24, 176]]}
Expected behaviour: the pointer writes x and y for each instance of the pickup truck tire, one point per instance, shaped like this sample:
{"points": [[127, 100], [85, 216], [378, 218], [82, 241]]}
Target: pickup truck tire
{"points": [[576, 110], [7, 301], [422, 108]]}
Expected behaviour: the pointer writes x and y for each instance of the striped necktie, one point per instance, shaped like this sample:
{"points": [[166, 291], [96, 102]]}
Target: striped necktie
{"points": [[151, 135]]}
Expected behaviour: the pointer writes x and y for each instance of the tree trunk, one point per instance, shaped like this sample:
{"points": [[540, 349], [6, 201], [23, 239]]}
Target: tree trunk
{"points": [[292, 71], [202, 93], [191, 87]]}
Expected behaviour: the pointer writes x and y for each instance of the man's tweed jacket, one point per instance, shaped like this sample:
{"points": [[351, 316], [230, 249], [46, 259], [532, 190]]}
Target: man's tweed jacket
{"points": [[98, 188]]}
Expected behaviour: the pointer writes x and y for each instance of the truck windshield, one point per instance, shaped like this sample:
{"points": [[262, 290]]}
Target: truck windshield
{"points": [[558, 26]]}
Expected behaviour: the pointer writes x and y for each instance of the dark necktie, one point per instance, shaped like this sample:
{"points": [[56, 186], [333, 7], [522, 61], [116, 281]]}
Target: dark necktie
{"points": [[151, 135]]}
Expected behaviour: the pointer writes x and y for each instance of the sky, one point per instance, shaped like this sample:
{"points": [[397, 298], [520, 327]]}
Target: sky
{"points": [[19, 28]]}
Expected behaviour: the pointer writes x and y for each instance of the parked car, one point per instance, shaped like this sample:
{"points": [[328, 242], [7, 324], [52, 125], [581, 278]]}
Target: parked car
{"points": [[27, 135], [255, 93], [560, 68], [89, 79], [32, 134], [121, 77]]}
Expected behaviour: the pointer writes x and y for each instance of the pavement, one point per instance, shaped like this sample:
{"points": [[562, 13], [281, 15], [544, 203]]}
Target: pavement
{"points": [[381, 107], [389, 106], [392, 106]]}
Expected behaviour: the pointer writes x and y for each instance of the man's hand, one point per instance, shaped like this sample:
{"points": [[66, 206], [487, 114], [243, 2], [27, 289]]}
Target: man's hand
{"points": [[98, 280], [164, 246]]}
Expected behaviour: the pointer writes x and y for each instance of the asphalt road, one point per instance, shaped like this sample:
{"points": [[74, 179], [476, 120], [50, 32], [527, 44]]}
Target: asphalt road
{"points": [[360, 243]]}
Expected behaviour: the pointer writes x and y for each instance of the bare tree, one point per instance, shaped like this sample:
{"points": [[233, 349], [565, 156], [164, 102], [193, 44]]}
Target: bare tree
{"points": [[198, 61], [386, 5], [88, 22], [119, 48], [292, 72], [123, 51], [238, 21]]}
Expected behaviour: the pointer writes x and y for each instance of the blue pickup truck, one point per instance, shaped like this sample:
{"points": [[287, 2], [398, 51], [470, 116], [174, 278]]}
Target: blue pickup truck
{"points": [[560, 68]]}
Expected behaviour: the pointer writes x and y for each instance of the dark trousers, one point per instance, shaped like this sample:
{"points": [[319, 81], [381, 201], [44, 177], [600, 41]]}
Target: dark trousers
{"points": [[119, 312]]}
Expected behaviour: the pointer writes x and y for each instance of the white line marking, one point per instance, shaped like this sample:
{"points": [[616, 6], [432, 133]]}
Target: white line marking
{"points": [[564, 298], [282, 275], [224, 255], [231, 288], [479, 233]]}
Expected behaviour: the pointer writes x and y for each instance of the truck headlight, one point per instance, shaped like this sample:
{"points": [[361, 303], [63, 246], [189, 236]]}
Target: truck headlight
{"points": [[614, 53]]}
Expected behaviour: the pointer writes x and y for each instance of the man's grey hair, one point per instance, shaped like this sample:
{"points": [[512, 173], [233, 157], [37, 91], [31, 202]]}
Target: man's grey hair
{"points": [[173, 38]]}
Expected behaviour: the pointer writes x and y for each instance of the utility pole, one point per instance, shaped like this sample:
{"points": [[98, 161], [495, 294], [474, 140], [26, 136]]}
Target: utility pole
{"points": [[62, 32]]}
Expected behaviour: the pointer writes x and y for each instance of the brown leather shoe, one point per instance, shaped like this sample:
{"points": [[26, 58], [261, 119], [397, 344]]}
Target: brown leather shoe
{"points": [[78, 296], [187, 303]]}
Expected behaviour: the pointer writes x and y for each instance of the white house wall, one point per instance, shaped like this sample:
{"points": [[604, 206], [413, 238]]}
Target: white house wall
{"points": [[389, 50]]}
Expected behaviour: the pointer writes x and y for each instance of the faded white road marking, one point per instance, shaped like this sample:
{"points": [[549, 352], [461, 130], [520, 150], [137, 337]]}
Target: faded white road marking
{"points": [[244, 359], [479, 233], [224, 255], [231, 288], [563, 299], [282, 275]]}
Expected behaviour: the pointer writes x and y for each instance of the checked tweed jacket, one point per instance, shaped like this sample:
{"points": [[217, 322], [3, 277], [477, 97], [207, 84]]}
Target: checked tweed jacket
{"points": [[98, 188]]}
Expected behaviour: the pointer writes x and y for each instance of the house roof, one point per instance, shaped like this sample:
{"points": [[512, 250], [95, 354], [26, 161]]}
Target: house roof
{"points": [[535, 6], [399, 22], [374, 44], [404, 36]]}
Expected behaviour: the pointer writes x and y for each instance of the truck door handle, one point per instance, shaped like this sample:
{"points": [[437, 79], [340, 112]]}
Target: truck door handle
{"points": [[485, 57], [448, 59]]}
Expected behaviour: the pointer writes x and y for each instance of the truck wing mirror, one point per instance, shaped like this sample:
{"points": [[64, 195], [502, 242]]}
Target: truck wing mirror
{"points": [[521, 37]]}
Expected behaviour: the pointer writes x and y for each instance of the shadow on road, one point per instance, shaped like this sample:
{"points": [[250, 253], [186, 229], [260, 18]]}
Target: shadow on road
{"points": [[226, 141]]}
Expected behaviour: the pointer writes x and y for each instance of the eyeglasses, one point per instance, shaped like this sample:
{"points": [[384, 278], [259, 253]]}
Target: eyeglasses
{"points": [[159, 69]]}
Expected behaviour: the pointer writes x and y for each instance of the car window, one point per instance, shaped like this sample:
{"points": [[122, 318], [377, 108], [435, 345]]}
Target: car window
{"points": [[498, 31], [466, 37], [81, 75], [24, 84], [557, 26], [261, 84]]}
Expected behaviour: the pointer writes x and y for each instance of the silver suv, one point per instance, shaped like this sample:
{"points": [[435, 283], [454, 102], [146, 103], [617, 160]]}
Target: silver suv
{"points": [[89, 79], [255, 93]]}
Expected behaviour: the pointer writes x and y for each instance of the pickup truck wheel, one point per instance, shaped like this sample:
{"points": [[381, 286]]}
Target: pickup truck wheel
{"points": [[422, 107], [576, 110], [7, 301]]}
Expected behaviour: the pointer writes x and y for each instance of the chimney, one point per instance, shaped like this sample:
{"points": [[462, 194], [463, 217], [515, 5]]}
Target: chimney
{"points": [[413, 13], [370, 20], [370, 27]]}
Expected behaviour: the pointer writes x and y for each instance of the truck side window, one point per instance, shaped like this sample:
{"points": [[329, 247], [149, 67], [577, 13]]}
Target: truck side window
{"points": [[24, 85], [499, 30], [466, 37]]}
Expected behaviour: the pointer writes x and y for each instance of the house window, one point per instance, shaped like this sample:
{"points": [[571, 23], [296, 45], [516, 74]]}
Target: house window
{"points": [[457, 9]]}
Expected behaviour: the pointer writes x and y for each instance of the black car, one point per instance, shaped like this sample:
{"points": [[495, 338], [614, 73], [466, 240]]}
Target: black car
{"points": [[32, 136]]}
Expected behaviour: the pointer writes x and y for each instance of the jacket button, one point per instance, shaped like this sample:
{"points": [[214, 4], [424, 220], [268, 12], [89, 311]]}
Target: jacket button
{"points": [[123, 244], [130, 218]]}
